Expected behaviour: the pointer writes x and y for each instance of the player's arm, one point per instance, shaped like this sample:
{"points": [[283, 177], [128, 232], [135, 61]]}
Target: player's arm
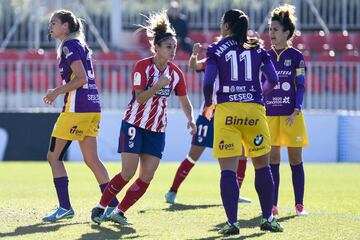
{"points": [[193, 61], [300, 85], [188, 111], [80, 78]]}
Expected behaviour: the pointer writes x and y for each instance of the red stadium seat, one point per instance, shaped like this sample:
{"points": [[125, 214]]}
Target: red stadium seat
{"points": [[326, 56], [198, 37], [143, 40], [298, 41], [11, 79], [9, 55], [214, 37], [351, 56], [181, 55], [316, 85], [104, 56], [267, 41], [315, 41], [131, 56], [50, 55], [355, 40], [339, 41], [33, 55]]}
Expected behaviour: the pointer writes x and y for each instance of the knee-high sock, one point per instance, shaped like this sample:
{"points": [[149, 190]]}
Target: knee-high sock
{"points": [[229, 194], [133, 194], [112, 189], [62, 191], [183, 170], [298, 179], [240, 174], [276, 176], [264, 185], [113, 202]]}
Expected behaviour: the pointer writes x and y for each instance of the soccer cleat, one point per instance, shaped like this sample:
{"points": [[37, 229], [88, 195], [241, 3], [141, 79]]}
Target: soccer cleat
{"points": [[119, 218], [275, 210], [59, 213], [230, 229], [272, 226], [106, 215], [170, 197], [97, 214], [299, 208], [244, 200]]}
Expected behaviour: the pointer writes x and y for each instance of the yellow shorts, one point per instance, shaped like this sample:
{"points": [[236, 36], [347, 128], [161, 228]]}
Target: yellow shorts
{"points": [[76, 126], [237, 124], [285, 135]]}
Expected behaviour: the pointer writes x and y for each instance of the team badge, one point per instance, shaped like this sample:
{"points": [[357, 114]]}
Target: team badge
{"points": [[287, 62], [285, 86]]}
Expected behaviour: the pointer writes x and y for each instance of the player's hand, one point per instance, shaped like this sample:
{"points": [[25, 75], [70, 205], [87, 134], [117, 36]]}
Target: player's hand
{"points": [[290, 119], [50, 97], [163, 81], [192, 125], [208, 111], [196, 48]]}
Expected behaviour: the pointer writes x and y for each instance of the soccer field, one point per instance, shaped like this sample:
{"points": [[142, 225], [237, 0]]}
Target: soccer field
{"points": [[332, 197]]}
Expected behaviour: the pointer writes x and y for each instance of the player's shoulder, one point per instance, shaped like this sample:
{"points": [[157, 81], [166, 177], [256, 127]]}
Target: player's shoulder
{"points": [[144, 63], [176, 69], [295, 52]]}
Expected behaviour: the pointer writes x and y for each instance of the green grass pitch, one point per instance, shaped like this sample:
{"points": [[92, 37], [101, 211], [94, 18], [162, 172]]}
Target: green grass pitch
{"points": [[332, 197]]}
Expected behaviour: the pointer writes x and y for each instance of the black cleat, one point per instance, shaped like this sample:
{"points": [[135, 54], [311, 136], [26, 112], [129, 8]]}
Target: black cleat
{"points": [[230, 229]]}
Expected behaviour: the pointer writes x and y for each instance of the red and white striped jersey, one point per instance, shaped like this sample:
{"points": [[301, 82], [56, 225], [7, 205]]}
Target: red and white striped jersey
{"points": [[152, 115]]}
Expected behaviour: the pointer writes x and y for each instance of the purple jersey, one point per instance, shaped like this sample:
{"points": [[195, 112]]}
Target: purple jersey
{"points": [[238, 71], [85, 98], [289, 63]]}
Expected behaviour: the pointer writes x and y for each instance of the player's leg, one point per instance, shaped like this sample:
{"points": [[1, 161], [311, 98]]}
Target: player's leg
{"points": [[183, 170], [275, 156], [89, 150], [55, 154], [240, 175], [298, 178]]}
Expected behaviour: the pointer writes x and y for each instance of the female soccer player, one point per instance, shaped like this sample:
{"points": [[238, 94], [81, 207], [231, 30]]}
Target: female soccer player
{"points": [[80, 117], [283, 105], [142, 134], [240, 115], [203, 138]]}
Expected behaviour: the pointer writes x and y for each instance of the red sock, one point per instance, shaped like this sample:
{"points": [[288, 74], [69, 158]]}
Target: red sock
{"points": [[182, 172], [134, 193], [112, 189], [241, 171]]}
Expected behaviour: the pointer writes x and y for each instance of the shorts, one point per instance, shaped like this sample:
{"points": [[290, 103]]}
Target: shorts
{"points": [[205, 132], [285, 135], [134, 139], [237, 124], [76, 126]]}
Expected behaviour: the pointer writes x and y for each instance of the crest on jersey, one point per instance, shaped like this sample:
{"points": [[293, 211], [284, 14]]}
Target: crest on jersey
{"points": [[137, 79], [67, 52], [287, 62]]}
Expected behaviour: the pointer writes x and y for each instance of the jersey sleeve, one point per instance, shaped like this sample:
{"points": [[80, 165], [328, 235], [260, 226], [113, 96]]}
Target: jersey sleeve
{"points": [[138, 76], [180, 88], [299, 64], [71, 51]]}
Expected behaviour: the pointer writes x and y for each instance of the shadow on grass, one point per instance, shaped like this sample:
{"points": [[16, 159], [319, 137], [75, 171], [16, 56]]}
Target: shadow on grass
{"points": [[107, 233], [38, 228], [239, 236], [184, 207]]}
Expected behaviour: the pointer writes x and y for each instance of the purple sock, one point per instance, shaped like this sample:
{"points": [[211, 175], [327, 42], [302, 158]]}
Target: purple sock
{"points": [[276, 176], [62, 191], [298, 180], [264, 185], [229, 194], [113, 202]]}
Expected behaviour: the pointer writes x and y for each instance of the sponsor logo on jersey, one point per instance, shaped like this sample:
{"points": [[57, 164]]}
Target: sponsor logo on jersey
{"points": [[234, 120], [287, 62], [278, 101], [226, 89], [242, 88], [258, 140], [200, 139], [131, 144], [285, 86], [225, 146], [241, 97], [67, 52], [75, 131], [283, 73], [163, 92]]}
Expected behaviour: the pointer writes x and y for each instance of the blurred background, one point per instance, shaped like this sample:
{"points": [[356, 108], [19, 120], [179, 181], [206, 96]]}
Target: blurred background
{"points": [[328, 35]]}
